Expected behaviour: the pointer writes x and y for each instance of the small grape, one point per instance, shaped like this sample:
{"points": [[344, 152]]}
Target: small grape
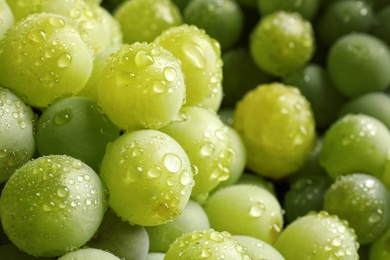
{"points": [[281, 42], [149, 177], [207, 243], [43, 58], [52, 205], [318, 236], [142, 87], [201, 63], [277, 127], [89, 254]]}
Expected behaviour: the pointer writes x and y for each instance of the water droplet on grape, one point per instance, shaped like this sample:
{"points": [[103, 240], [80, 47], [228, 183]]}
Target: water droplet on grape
{"points": [[159, 86], [48, 206], [77, 164], [57, 22], [257, 210], [185, 178], [172, 162], [143, 59], [195, 53], [205, 253], [207, 149], [170, 73], [154, 172], [63, 192], [37, 36], [216, 236], [375, 217], [64, 60]]}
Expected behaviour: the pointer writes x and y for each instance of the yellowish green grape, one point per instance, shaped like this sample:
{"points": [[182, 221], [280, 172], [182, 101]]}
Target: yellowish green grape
{"points": [[142, 86], [277, 126], [44, 57], [201, 62]]}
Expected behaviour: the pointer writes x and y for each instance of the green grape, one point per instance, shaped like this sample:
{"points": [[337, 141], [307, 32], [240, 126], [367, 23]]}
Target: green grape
{"points": [[142, 87], [120, 238], [149, 177], [10, 251], [355, 143], [90, 90], [89, 254], [237, 80], [258, 249], [52, 205], [277, 127], [255, 179], [209, 244], [201, 62], [318, 236], [375, 104], [281, 42], [343, 17], [7, 17], [357, 64], [212, 15], [305, 194], [205, 139], [17, 133], [155, 256], [75, 126], [365, 204], [193, 218], [43, 57], [315, 84], [144, 20], [238, 162], [379, 249], [380, 26], [250, 211], [306, 8]]}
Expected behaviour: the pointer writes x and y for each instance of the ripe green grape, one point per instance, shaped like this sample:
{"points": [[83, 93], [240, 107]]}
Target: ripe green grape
{"points": [[89, 254], [375, 104], [205, 139], [306, 8], [149, 177], [318, 236], [43, 57], [76, 127], [315, 84], [357, 64], [277, 127], [17, 133], [212, 15], [120, 238], [255, 179], [144, 20], [343, 17], [207, 243], [258, 249], [193, 218], [365, 204], [142, 87], [355, 143], [7, 17], [250, 211], [281, 42], [52, 205], [201, 62]]}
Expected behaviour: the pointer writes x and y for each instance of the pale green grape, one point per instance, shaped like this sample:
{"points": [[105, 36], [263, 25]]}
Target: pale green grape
{"points": [[120, 238], [17, 133], [142, 87], [209, 244], [318, 236], [205, 139], [201, 62], [277, 127], [52, 205], [149, 177], [258, 249], [7, 17], [155, 256], [193, 218], [144, 20], [281, 42], [89, 254], [43, 57], [245, 209]]}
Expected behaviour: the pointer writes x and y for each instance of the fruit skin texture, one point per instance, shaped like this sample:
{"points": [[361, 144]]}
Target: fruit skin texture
{"points": [[277, 126], [52, 205]]}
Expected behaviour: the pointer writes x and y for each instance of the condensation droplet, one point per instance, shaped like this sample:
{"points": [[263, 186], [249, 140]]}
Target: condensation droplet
{"points": [[172, 162], [143, 59], [170, 73], [154, 172], [63, 192], [185, 178], [195, 53], [37, 36], [57, 22], [64, 60], [257, 210], [207, 149]]}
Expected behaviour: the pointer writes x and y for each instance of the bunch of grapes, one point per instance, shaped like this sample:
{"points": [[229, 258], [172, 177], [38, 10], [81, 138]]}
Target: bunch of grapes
{"points": [[194, 129]]}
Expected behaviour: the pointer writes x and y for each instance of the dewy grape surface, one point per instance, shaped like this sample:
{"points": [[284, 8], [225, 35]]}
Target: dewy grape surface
{"points": [[195, 129]]}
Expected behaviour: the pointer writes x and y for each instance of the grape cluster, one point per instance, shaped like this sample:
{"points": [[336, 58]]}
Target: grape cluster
{"points": [[195, 129]]}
